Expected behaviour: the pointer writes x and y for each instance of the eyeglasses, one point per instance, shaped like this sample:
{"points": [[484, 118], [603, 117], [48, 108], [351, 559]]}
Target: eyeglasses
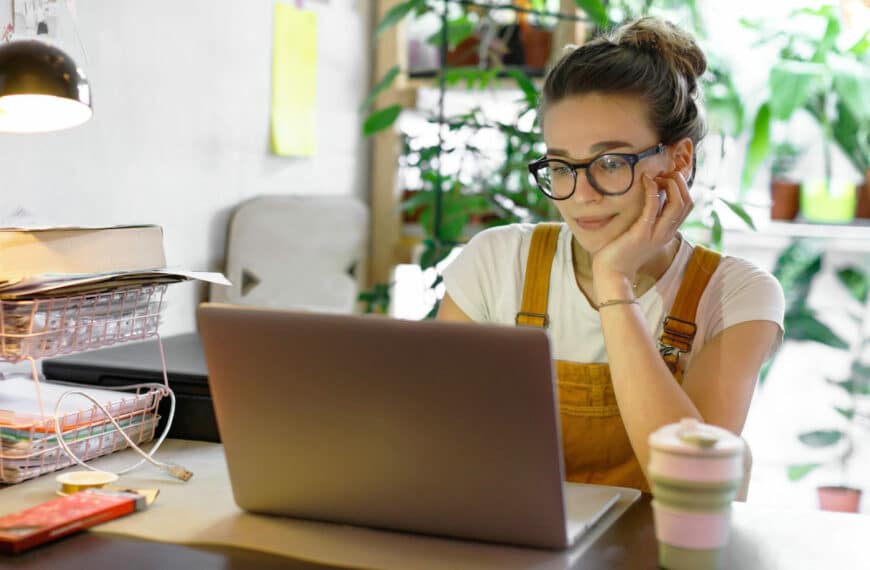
{"points": [[610, 174]]}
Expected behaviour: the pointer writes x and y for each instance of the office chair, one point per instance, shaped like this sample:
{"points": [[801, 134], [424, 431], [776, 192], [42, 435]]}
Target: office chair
{"points": [[299, 252]]}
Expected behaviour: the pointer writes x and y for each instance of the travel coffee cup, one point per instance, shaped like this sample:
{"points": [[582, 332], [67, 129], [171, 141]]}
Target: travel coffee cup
{"points": [[695, 470]]}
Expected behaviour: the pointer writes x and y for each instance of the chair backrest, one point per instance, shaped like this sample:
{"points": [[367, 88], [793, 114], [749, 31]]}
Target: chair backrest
{"points": [[295, 252]]}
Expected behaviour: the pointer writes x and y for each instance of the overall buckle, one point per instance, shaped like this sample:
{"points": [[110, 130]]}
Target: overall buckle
{"points": [[544, 318]]}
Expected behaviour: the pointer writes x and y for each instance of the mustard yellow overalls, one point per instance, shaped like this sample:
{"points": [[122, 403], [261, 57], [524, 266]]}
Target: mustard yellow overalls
{"points": [[595, 444]]}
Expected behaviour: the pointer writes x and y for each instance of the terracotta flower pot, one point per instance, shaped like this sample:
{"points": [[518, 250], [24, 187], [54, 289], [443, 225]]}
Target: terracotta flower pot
{"points": [[785, 199], [862, 206], [842, 499], [537, 43], [411, 216], [465, 53]]}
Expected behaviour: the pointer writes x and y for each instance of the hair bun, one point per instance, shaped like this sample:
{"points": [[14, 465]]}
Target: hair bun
{"points": [[662, 38]]}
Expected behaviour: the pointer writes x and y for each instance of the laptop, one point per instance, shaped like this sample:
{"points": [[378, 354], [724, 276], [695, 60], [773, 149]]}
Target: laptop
{"points": [[438, 428]]}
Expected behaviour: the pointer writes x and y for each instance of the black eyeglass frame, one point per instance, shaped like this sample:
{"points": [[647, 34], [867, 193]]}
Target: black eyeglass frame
{"points": [[632, 160]]}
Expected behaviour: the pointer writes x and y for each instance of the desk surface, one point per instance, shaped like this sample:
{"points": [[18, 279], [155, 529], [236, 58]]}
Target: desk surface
{"points": [[629, 543], [761, 538]]}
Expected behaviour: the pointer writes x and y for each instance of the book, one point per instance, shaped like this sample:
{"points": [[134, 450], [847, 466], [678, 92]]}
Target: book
{"points": [[59, 517], [78, 250]]}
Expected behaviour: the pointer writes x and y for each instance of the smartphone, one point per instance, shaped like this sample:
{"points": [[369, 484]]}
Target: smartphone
{"points": [[663, 199]]}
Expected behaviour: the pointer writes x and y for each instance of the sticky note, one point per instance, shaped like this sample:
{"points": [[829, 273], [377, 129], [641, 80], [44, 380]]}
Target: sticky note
{"points": [[294, 81]]}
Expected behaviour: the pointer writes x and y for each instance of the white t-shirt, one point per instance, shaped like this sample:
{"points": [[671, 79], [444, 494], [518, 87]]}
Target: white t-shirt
{"points": [[486, 282]]}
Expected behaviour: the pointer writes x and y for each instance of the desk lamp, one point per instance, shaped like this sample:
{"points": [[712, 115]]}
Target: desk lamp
{"points": [[41, 88]]}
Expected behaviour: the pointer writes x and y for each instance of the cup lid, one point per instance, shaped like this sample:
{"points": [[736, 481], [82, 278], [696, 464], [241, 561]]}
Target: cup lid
{"points": [[689, 436]]}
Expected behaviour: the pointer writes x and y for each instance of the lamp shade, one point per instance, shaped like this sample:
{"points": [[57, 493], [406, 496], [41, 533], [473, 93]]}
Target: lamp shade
{"points": [[41, 88]]}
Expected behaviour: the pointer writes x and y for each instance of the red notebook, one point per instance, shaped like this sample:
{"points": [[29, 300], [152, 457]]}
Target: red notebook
{"points": [[62, 516]]}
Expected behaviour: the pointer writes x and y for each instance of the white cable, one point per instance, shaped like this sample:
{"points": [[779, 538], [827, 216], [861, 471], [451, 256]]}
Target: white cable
{"points": [[171, 468]]}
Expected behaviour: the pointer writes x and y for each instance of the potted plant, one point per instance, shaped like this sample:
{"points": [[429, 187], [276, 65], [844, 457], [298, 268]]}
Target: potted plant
{"points": [[797, 268], [815, 75], [536, 33], [856, 387], [784, 189]]}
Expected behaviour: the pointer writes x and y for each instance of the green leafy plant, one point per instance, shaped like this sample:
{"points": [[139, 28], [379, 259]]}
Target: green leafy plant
{"points": [[856, 387], [814, 74]]}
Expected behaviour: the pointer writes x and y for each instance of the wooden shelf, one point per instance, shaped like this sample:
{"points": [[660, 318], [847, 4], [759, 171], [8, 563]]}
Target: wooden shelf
{"points": [[853, 237]]}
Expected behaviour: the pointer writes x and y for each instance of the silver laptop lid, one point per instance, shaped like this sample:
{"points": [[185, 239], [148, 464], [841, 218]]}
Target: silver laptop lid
{"points": [[431, 427]]}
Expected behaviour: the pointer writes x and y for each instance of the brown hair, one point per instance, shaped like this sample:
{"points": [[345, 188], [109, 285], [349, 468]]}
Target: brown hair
{"points": [[649, 57]]}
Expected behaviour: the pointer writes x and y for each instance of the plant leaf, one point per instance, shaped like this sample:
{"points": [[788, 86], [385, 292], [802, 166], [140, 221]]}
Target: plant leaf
{"points": [[458, 30], [396, 14], [433, 253], [805, 326], [529, 89], [855, 281], [382, 85], [852, 86], [381, 119], [765, 370], [857, 387], [758, 146], [738, 209], [751, 24], [796, 268], [418, 199], [716, 231], [821, 438], [790, 84], [798, 472], [851, 136], [848, 414], [860, 47], [596, 11]]}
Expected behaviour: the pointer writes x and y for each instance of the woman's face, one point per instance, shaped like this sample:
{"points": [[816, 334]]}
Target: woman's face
{"points": [[579, 128]]}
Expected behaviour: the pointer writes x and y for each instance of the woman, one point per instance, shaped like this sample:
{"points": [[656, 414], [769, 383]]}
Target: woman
{"points": [[634, 349]]}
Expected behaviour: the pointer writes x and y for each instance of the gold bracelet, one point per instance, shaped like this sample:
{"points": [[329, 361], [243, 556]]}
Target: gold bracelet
{"points": [[618, 302]]}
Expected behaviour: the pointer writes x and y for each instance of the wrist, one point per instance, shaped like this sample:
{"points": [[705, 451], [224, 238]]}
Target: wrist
{"points": [[612, 286]]}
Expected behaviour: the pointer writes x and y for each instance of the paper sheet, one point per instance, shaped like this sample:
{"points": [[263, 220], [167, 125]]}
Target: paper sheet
{"points": [[294, 81], [19, 404], [82, 283], [202, 511]]}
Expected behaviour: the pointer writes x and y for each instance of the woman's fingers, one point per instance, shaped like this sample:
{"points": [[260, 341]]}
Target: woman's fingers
{"points": [[649, 214], [678, 205]]}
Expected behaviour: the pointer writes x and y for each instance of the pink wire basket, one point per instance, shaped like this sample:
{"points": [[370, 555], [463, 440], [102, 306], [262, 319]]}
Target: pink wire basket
{"points": [[46, 327], [54, 326]]}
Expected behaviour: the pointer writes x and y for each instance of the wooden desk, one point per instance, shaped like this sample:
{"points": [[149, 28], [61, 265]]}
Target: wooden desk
{"points": [[822, 540], [762, 538]]}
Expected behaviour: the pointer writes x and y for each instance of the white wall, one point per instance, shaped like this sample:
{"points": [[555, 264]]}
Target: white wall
{"points": [[182, 92]]}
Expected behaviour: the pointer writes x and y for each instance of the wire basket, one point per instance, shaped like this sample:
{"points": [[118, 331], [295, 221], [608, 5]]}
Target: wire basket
{"points": [[41, 328], [28, 442], [44, 327]]}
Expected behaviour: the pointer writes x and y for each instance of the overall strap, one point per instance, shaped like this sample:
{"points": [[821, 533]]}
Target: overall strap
{"points": [[536, 287], [679, 326]]}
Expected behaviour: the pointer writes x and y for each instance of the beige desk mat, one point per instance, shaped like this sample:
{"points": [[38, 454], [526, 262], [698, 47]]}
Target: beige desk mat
{"points": [[202, 511]]}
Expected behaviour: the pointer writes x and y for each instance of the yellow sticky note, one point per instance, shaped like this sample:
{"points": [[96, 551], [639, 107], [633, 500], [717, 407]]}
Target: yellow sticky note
{"points": [[294, 81]]}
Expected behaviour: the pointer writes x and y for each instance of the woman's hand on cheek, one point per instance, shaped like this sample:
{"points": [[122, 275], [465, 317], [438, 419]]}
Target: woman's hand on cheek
{"points": [[617, 263]]}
